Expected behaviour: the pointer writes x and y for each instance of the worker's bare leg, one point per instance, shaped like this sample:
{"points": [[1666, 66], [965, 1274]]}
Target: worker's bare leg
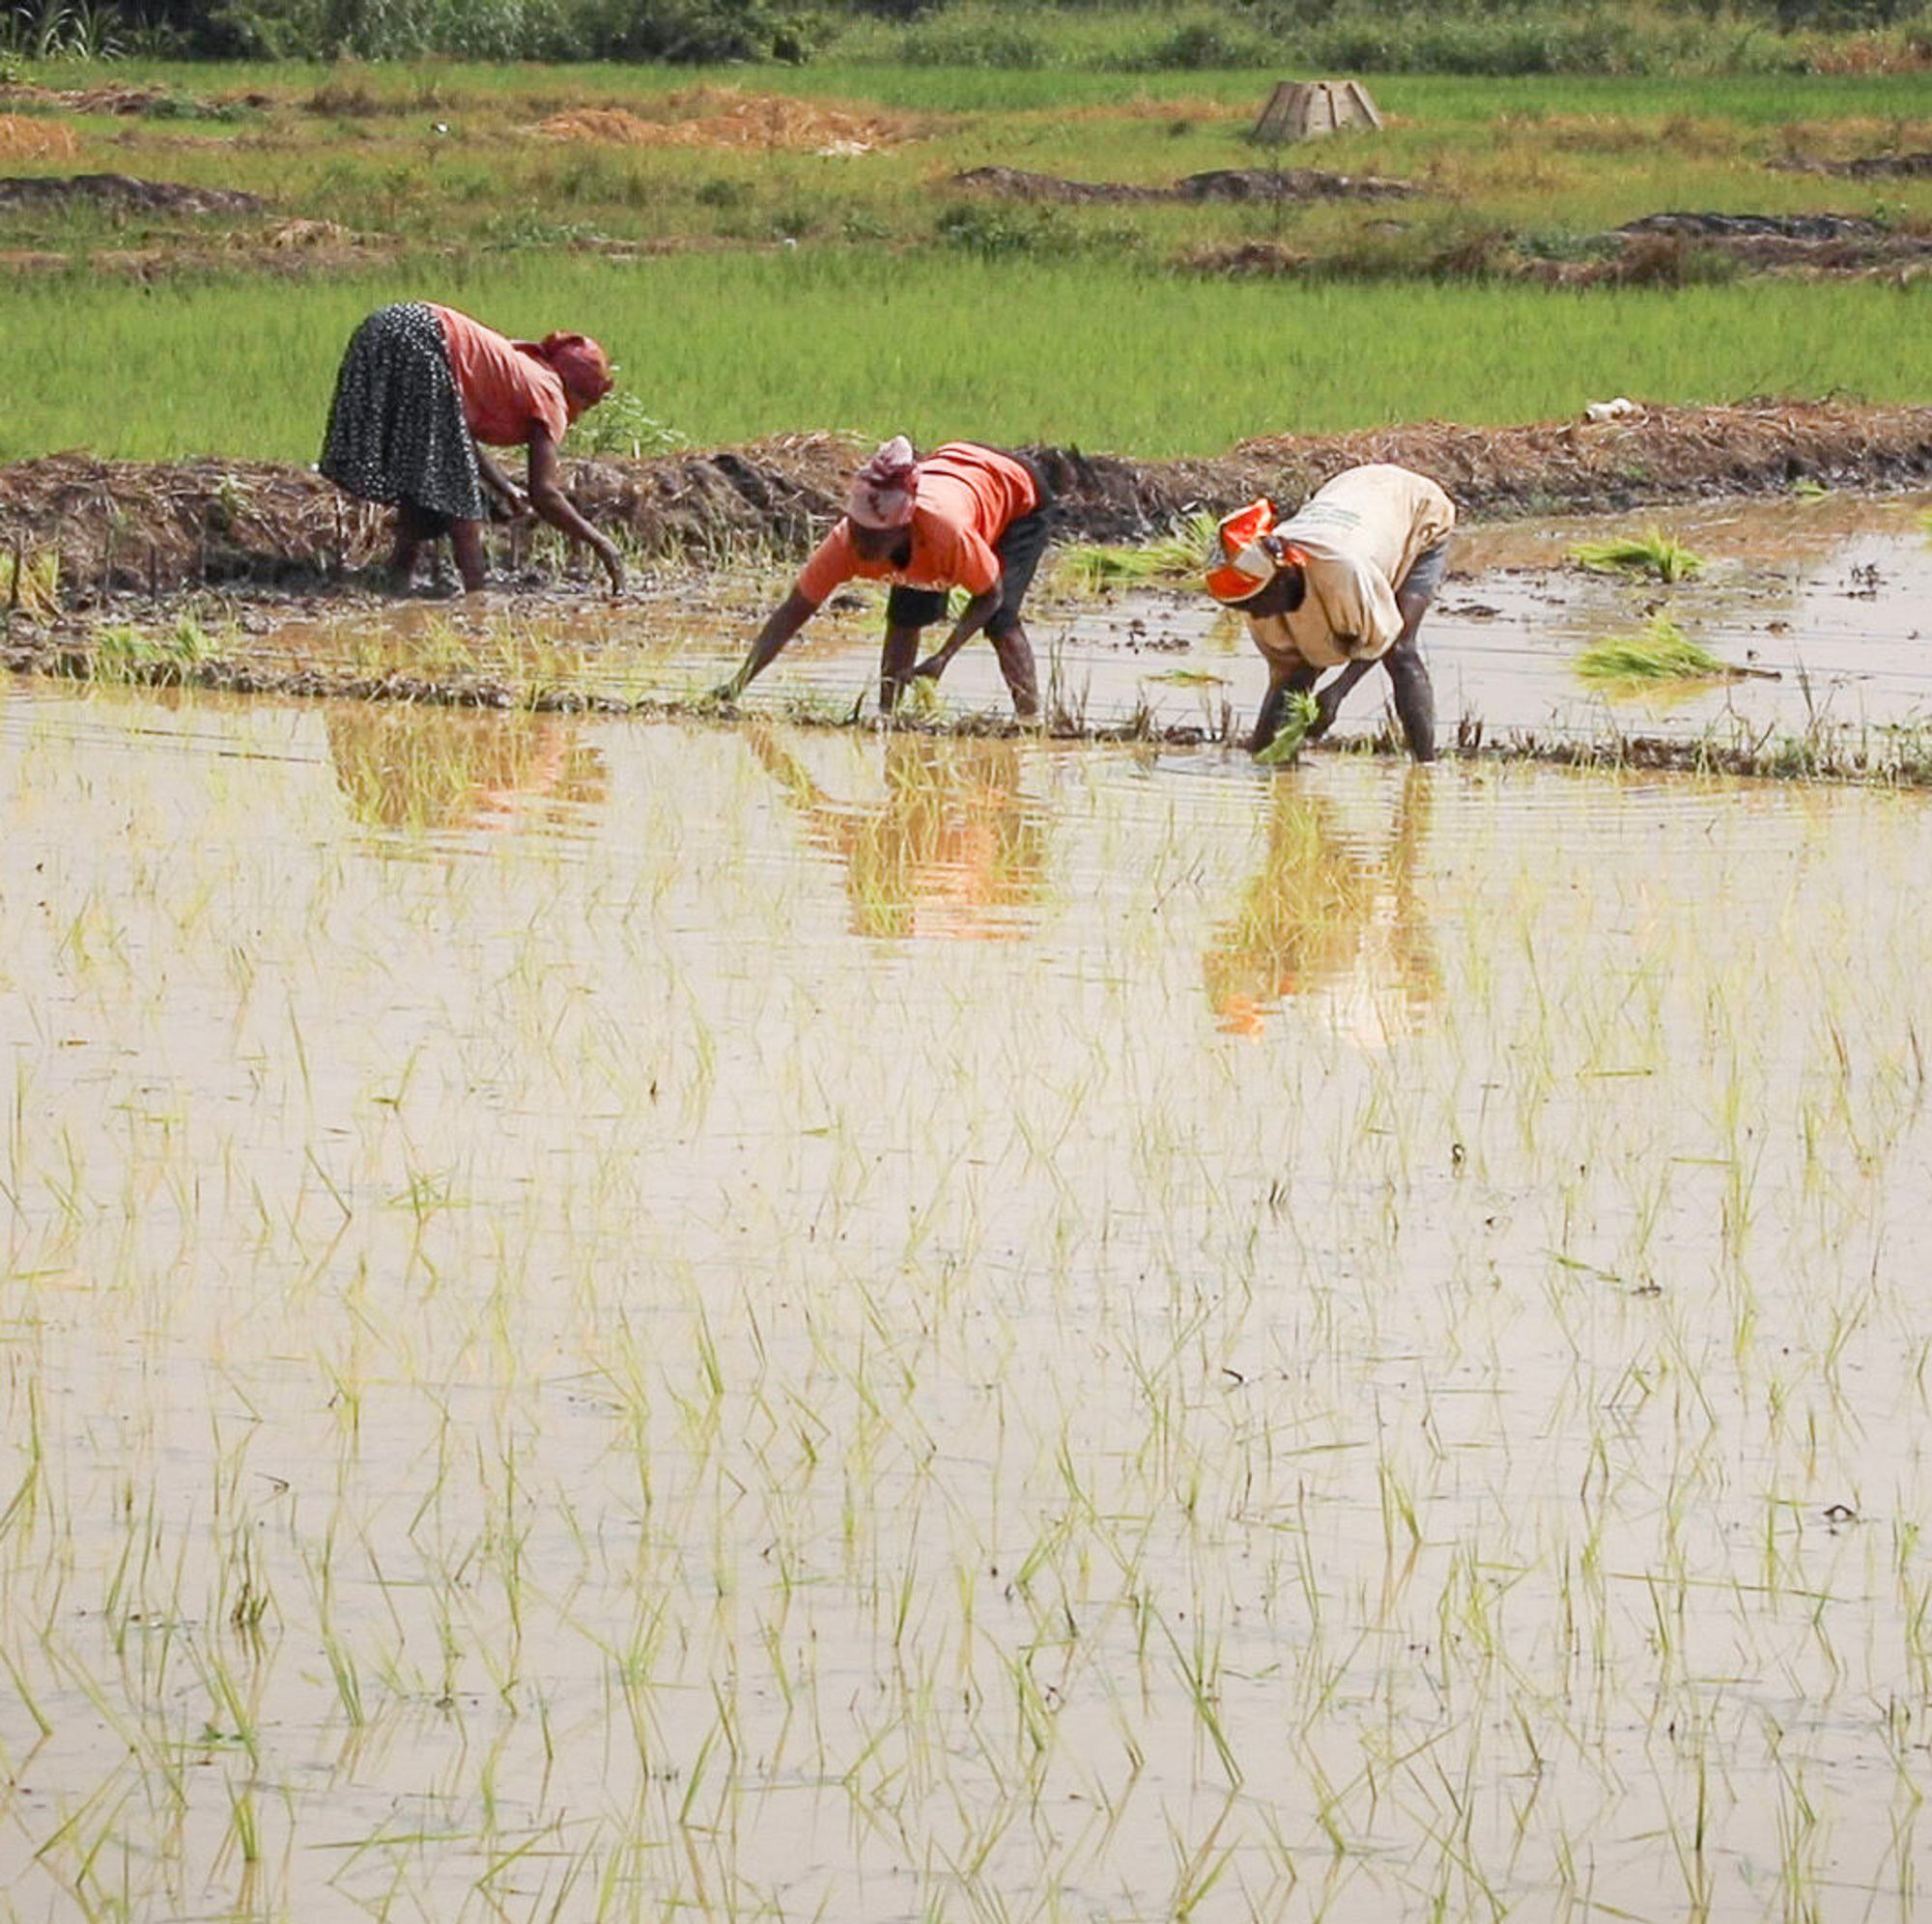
{"points": [[1282, 682], [410, 533], [897, 656], [1408, 678], [1015, 653], [465, 538]]}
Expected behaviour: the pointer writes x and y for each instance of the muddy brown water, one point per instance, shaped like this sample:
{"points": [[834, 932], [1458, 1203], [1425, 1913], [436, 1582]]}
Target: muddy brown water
{"points": [[619, 1318]]}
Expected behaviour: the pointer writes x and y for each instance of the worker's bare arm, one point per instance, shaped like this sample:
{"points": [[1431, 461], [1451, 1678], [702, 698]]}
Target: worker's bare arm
{"points": [[780, 625], [547, 498], [499, 484], [975, 614]]}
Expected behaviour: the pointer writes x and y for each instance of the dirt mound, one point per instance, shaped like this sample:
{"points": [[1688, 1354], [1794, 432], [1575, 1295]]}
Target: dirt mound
{"points": [[1871, 168], [719, 117], [123, 190], [1755, 226], [1823, 241], [1221, 183], [26, 139], [1246, 260], [158, 102], [133, 525]]}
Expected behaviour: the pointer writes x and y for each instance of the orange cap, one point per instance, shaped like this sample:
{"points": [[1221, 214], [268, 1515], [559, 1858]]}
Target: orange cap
{"points": [[1234, 577]]}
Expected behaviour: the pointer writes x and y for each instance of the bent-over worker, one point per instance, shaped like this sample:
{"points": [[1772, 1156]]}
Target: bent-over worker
{"points": [[1342, 584], [420, 389], [966, 516]]}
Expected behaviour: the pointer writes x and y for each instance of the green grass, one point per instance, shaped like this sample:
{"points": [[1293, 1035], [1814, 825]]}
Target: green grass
{"points": [[726, 348]]}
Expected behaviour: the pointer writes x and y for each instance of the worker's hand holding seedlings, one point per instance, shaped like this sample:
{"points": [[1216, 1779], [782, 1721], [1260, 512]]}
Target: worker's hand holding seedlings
{"points": [[421, 390], [966, 516], [1342, 584]]}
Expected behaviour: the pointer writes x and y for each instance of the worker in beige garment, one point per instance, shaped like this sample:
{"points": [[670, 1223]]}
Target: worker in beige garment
{"points": [[1342, 584]]}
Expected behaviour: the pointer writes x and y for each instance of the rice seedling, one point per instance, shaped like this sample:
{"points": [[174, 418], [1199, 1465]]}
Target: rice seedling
{"points": [[1178, 555], [1658, 653], [1652, 553], [1299, 713]]}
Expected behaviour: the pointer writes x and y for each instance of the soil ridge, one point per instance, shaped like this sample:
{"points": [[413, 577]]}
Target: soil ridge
{"points": [[162, 526]]}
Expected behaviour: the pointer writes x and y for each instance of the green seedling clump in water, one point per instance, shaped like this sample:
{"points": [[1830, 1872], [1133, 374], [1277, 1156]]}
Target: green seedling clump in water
{"points": [[1301, 714], [1651, 553], [1658, 652], [1177, 554]]}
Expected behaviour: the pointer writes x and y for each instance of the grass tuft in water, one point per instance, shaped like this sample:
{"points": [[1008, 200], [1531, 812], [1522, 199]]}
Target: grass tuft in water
{"points": [[30, 583], [1658, 652], [1652, 553]]}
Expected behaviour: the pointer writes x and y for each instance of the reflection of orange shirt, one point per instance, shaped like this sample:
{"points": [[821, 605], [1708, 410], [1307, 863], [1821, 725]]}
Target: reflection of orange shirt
{"points": [[504, 393], [966, 498]]}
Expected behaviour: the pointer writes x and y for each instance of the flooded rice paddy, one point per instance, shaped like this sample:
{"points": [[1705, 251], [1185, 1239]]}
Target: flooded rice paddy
{"points": [[1823, 601], [637, 1320]]}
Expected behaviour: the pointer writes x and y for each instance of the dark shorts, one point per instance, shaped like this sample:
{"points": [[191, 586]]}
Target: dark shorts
{"points": [[1019, 551], [1424, 576]]}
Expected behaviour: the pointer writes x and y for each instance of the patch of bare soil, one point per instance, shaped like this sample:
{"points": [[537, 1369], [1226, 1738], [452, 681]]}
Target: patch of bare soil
{"points": [[719, 117], [1870, 167], [160, 101], [1246, 260], [134, 526], [1834, 241], [124, 192], [1221, 183]]}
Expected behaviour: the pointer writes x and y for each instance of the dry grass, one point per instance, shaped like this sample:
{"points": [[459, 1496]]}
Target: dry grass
{"points": [[723, 118], [26, 138]]}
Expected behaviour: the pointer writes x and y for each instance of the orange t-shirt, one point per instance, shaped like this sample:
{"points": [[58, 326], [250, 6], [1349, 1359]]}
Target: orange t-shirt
{"points": [[504, 393], [966, 499]]}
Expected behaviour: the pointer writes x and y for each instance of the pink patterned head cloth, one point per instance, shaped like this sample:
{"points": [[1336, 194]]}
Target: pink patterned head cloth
{"points": [[882, 491]]}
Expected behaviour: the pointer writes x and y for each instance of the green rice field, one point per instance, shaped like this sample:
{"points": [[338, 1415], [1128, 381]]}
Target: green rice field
{"points": [[725, 347], [838, 277]]}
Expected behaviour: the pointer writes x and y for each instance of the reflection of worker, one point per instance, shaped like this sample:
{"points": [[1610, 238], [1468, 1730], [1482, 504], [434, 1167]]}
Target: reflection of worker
{"points": [[955, 829], [1325, 915], [966, 516], [420, 389], [401, 765], [1344, 584]]}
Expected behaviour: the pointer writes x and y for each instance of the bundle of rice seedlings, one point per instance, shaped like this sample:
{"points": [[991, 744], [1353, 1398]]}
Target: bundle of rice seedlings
{"points": [[1651, 552], [1660, 652], [1299, 715], [1173, 556]]}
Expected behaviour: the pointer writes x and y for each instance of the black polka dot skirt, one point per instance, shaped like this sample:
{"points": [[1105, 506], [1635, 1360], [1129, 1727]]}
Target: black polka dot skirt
{"points": [[396, 431]]}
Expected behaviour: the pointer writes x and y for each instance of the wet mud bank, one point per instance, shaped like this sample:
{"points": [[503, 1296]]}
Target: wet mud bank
{"points": [[103, 526]]}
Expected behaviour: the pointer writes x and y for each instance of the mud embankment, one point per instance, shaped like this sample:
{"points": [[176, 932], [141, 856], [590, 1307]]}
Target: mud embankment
{"points": [[162, 526]]}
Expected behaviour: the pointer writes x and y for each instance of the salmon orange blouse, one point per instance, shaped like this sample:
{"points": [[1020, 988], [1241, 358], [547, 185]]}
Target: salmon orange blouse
{"points": [[505, 392]]}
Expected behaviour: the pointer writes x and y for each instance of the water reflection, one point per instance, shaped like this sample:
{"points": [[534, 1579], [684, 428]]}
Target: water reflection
{"points": [[404, 767], [955, 848], [1332, 916]]}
